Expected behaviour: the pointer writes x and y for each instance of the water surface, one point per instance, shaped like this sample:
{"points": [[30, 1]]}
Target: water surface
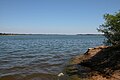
{"points": [[41, 57]]}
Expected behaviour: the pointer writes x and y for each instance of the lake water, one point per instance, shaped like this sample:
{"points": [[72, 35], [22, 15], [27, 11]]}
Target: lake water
{"points": [[40, 57]]}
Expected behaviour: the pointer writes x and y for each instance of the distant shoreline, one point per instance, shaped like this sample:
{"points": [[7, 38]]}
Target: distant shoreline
{"points": [[46, 34], [12, 34]]}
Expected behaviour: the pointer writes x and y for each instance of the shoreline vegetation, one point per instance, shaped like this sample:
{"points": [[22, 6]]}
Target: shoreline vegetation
{"points": [[3, 34], [99, 63]]}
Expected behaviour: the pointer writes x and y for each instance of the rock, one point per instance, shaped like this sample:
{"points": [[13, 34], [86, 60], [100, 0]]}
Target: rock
{"points": [[60, 74], [92, 51]]}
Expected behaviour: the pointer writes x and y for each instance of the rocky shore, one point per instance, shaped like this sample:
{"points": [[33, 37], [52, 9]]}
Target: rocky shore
{"points": [[99, 63]]}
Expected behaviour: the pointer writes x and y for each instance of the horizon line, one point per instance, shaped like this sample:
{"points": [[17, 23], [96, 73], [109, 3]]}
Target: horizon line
{"points": [[49, 33]]}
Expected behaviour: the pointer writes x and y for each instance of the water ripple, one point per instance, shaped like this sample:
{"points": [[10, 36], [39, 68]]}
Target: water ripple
{"points": [[38, 57]]}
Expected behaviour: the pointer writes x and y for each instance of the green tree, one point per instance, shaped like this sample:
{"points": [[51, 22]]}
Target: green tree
{"points": [[111, 28]]}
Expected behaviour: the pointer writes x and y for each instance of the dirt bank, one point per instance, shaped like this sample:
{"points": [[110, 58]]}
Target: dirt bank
{"points": [[99, 63]]}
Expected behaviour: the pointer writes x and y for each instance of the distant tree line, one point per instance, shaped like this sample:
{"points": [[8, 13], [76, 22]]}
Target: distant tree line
{"points": [[10, 34], [13, 34], [6, 34]]}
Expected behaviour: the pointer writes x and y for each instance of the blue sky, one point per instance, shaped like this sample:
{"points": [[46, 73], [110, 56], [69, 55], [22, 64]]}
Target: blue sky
{"points": [[54, 16]]}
